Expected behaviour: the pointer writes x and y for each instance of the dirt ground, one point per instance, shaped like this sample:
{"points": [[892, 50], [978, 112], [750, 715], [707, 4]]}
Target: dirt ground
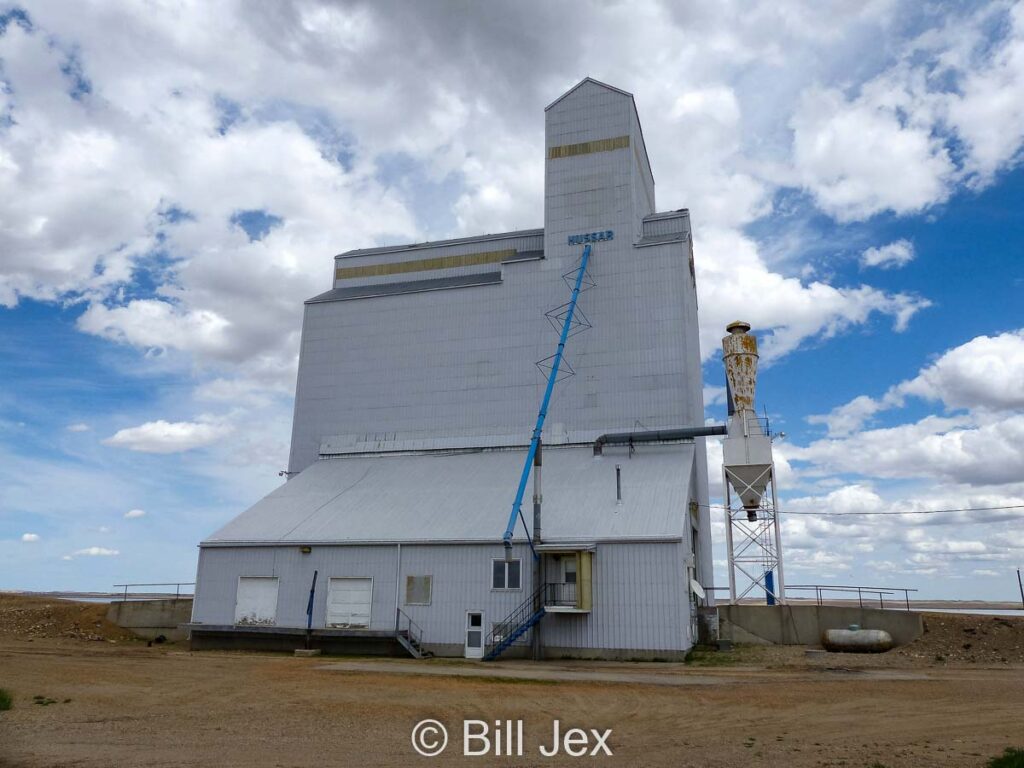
{"points": [[117, 702]]}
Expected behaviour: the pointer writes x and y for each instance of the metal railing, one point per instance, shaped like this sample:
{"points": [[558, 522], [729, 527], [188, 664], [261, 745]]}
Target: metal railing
{"points": [[126, 596], [562, 594], [515, 620], [412, 630], [871, 594]]}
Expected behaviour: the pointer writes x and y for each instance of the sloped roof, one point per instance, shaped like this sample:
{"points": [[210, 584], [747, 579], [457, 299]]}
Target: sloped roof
{"points": [[467, 497]]}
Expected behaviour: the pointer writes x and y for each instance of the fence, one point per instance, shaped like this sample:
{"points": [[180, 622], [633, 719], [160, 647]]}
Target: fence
{"points": [[871, 594], [124, 595]]}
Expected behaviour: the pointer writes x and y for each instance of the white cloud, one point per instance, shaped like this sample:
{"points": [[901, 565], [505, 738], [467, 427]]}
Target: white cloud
{"points": [[864, 156], [949, 449], [983, 375], [986, 373], [988, 112], [30, 537], [94, 552], [891, 256], [985, 572], [132, 514], [78, 427], [850, 417], [788, 311], [168, 437]]}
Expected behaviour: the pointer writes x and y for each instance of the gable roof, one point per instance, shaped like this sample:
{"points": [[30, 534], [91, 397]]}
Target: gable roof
{"points": [[612, 88], [583, 82]]}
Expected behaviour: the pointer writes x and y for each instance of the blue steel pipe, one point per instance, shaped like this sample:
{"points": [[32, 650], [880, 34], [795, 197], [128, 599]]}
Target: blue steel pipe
{"points": [[517, 505]]}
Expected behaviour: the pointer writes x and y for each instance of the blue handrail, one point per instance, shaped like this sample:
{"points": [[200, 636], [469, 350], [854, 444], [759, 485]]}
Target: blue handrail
{"points": [[517, 505]]}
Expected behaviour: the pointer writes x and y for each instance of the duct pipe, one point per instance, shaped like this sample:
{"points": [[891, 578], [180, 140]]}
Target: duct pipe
{"points": [[656, 435], [538, 562]]}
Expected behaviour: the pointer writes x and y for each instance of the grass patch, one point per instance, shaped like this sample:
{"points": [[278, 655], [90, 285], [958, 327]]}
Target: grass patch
{"points": [[1011, 758], [43, 701], [707, 658], [6, 700]]}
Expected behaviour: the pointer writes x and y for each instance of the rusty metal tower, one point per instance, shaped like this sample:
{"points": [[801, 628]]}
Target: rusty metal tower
{"points": [[753, 538]]}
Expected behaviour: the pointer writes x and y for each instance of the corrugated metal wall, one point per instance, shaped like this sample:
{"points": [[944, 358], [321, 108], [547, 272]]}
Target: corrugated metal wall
{"points": [[460, 363], [640, 602], [639, 594]]}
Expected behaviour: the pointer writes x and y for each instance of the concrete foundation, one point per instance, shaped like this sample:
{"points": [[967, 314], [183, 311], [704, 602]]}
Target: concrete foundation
{"points": [[151, 618], [804, 624], [288, 639]]}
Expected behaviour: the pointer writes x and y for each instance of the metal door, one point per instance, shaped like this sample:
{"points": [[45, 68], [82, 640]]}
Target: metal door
{"points": [[256, 601], [348, 602]]}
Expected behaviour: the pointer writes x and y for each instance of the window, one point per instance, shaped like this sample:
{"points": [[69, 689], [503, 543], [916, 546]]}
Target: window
{"points": [[569, 569], [417, 590], [506, 575]]}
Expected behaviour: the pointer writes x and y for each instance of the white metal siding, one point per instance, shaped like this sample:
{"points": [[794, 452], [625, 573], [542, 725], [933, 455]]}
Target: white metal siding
{"points": [[640, 599]]}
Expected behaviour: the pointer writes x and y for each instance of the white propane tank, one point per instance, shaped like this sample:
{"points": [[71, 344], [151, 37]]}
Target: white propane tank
{"points": [[856, 640]]}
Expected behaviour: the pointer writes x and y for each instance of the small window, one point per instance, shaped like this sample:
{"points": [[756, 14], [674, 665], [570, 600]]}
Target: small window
{"points": [[569, 565], [418, 590], [506, 575]]}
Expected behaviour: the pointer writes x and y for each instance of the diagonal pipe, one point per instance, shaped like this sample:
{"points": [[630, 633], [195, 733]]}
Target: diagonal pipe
{"points": [[517, 504]]}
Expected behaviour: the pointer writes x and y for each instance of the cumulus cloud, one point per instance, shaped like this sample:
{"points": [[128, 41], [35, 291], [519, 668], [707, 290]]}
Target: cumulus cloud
{"points": [[891, 256], [789, 309], [28, 537], [133, 514], [93, 552], [986, 373], [168, 437], [983, 376], [171, 163], [950, 449], [861, 157]]}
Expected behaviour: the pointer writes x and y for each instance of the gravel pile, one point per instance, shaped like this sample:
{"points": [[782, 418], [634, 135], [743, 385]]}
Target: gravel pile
{"points": [[28, 618], [962, 638]]}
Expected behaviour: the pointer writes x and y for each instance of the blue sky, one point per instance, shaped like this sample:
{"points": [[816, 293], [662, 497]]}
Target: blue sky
{"points": [[167, 201]]}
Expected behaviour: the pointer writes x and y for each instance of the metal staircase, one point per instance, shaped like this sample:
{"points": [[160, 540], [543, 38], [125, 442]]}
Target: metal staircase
{"points": [[411, 637], [516, 624]]}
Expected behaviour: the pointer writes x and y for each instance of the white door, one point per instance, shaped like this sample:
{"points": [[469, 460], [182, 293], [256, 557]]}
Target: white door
{"points": [[348, 603], [474, 635], [568, 588], [256, 601]]}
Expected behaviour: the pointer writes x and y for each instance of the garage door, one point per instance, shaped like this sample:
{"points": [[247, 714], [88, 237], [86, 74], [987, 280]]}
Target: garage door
{"points": [[348, 603], [256, 600]]}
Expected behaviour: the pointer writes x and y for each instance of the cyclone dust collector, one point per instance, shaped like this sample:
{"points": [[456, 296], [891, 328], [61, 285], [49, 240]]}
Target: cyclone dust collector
{"points": [[751, 521]]}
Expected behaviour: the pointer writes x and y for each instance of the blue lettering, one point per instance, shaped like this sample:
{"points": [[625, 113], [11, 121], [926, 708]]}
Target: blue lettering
{"points": [[591, 237]]}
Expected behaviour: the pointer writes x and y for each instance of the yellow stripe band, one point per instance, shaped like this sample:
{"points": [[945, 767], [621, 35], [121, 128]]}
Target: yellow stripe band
{"points": [[424, 265], [587, 147]]}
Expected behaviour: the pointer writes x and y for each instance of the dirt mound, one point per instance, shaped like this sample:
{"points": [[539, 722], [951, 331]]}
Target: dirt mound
{"points": [[956, 638], [27, 617]]}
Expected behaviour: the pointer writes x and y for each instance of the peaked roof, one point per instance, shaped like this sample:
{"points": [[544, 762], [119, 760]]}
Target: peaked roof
{"points": [[581, 83], [612, 88]]}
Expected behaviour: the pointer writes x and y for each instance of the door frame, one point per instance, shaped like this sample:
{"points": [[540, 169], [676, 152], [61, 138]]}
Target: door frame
{"points": [[327, 605], [474, 653]]}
